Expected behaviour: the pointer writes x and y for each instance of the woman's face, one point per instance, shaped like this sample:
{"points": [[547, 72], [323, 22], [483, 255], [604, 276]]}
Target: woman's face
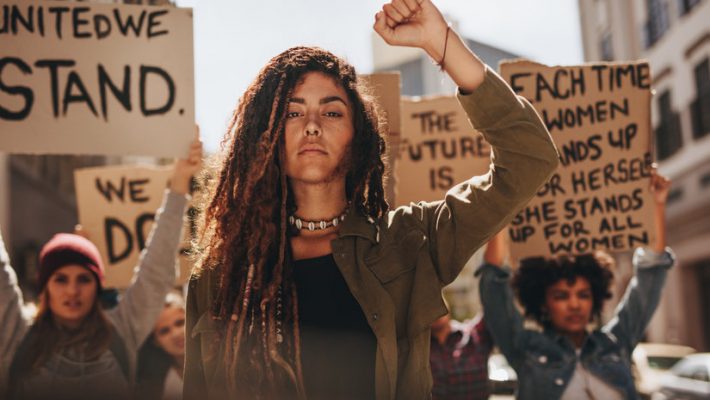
{"points": [[72, 292], [319, 130], [169, 331], [569, 305]]}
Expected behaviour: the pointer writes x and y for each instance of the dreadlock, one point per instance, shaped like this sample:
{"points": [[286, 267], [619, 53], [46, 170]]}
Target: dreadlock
{"points": [[245, 238]]}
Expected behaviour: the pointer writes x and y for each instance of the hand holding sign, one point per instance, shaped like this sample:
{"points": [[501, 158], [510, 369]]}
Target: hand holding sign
{"points": [[186, 168], [660, 185]]}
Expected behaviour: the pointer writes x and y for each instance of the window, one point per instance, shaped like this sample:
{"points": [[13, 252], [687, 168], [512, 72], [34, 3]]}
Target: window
{"points": [[668, 133], [700, 107], [602, 14], [607, 50], [705, 180], [687, 5], [674, 195], [662, 363], [657, 23], [411, 76]]}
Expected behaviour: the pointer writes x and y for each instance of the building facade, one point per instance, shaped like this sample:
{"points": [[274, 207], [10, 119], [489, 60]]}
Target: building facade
{"points": [[674, 36]]}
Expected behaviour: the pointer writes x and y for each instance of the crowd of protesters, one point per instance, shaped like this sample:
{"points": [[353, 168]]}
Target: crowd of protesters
{"points": [[308, 286]]}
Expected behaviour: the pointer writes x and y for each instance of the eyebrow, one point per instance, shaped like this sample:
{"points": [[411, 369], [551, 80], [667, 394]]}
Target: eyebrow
{"points": [[324, 100]]}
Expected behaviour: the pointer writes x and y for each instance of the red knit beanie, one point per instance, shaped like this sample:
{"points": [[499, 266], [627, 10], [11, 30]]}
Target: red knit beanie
{"points": [[67, 248]]}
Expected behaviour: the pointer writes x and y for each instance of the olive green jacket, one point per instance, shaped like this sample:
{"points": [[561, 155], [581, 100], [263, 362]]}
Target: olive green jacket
{"points": [[396, 266]]}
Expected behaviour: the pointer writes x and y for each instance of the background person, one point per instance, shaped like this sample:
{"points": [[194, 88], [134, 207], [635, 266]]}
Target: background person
{"points": [[162, 357], [460, 350], [564, 295], [73, 349]]}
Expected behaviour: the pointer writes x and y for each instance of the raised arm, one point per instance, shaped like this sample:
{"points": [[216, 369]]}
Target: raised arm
{"points": [[143, 301], [503, 320], [651, 266], [523, 155], [13, 321], [418, 23]]}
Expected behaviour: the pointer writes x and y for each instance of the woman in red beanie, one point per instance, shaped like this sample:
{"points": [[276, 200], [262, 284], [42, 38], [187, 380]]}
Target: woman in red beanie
{"points": [[73, 348]]}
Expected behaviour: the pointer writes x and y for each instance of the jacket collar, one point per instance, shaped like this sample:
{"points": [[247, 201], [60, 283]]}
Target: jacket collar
{"points": [[357, 224], [561, 339], [593, 340]]}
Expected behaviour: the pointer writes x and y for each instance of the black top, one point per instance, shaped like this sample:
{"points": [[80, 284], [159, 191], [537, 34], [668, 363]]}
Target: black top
{"points": [[337, 344]]}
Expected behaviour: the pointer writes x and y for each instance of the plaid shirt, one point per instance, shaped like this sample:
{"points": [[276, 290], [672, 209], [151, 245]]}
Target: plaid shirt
{"points": [[460, 366]]}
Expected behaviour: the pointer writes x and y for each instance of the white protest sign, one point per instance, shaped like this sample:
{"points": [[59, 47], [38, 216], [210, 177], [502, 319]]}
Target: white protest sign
{"points": [[437, 149], [599, 198], [86, 78], [117, 207]]}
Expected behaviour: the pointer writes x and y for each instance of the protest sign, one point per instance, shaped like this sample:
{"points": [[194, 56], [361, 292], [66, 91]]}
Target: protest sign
{"points": [[438, 148], [599, 197], [117, 207], [385, 88], [85, 78]]}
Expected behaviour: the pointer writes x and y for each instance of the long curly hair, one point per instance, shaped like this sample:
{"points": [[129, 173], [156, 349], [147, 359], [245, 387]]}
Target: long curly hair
{"points": [[536, 274], [245, 236]]}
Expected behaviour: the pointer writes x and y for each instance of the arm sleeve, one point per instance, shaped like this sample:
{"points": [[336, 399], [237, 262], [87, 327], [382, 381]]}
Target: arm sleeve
{"points": [[523, 157], [502, 318], [194, 386], [641, 298], [485, 340], [140, 305], [13, 321]]}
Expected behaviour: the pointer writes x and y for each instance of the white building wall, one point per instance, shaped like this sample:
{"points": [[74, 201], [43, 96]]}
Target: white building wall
{"points": [[680, 316]]}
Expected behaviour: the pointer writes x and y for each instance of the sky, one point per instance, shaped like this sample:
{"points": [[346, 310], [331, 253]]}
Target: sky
{"points": [[233, 39]]}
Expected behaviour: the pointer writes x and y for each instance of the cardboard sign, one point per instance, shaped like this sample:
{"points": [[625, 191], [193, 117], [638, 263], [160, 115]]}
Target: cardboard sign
{"points": [[385, 88], [438, 148], [85, 78], [117, 207], [599, 198]]}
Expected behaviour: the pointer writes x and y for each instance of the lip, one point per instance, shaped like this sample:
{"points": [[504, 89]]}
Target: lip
{"points": [[306, 150], [72, 304], [576, 319]]}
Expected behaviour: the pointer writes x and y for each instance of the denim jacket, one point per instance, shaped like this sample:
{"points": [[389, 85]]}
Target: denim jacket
{"points": [[545, 361]]}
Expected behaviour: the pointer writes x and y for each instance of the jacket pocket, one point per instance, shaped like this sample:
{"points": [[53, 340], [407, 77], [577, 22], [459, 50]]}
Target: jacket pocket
{"points": [[396, 257], [207, 330], [544, 360], [205, 324]]}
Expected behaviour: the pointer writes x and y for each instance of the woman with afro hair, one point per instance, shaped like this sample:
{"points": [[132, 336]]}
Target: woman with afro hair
{"points": [[564, 295]]}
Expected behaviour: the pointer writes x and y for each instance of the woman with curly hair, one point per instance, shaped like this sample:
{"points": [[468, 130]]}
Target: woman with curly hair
{"points": [[564, 295], [308, 285]]}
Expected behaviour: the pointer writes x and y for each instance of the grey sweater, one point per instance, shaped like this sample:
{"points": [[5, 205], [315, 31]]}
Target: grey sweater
{"points": [[66, 374]]}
